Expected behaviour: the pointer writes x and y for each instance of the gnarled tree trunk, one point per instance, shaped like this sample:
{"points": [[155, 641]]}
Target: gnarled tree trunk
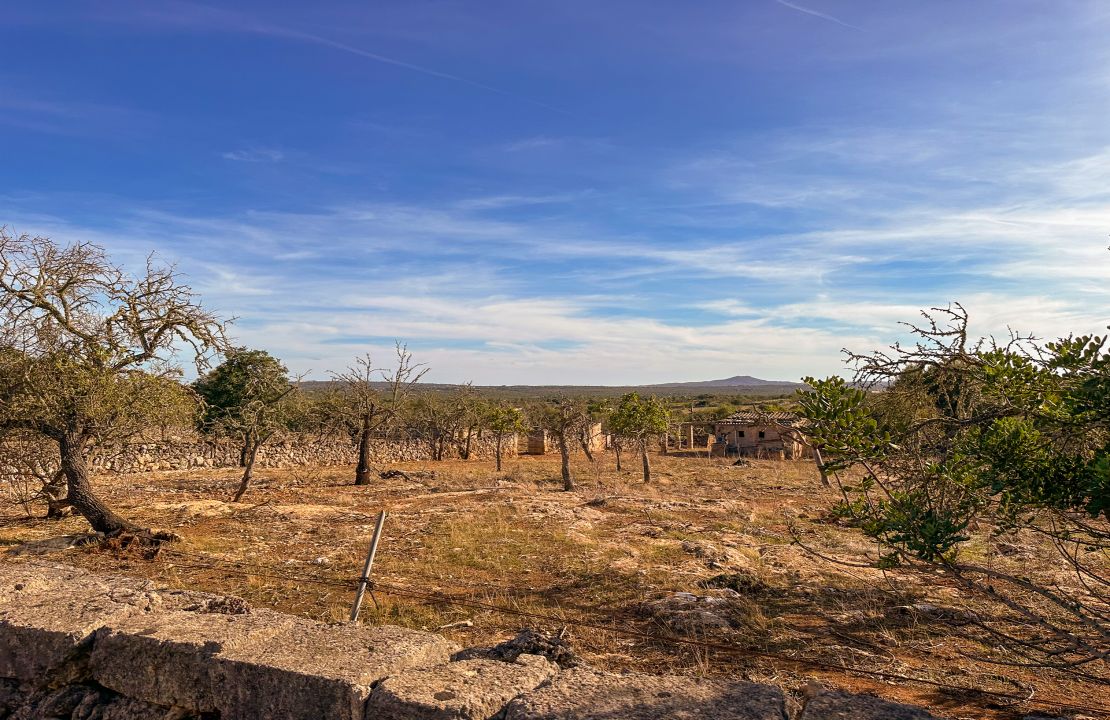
{"points": [[79, 491], [248, 471], [245, 449], [564, 454], [363, 473], [584, 438]]}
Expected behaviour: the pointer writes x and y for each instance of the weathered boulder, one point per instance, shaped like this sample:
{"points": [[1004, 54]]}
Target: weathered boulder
{"points": [[344, 661], [584, 694], [172, 658], [47, 612], [87, 702], [197, 652], [463, 690], [254, 665]]}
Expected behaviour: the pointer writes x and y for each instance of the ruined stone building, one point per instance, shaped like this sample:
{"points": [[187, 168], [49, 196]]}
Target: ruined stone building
{"points": [[760, 434]]}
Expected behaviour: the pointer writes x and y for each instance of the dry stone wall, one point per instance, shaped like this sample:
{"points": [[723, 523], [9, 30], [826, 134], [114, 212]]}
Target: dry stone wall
{"points": [[81, 646], [188, 451]]}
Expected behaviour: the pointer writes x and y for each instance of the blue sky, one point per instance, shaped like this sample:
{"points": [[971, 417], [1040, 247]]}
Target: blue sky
{"points": [[577, 192]]}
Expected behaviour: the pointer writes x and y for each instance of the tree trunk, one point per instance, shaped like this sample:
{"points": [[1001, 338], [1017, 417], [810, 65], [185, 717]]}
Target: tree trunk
{"points": [[497, 452], [248, 471], [584, 438], [79, 491], [55, 504], [363, 473], [564, 453], [821, 466], [617, 450], [245, 449], [647, 463], [465, 454]]}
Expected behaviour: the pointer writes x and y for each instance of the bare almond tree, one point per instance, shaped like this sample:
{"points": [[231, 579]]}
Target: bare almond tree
{"points": [[87, 353], [372, 400]]}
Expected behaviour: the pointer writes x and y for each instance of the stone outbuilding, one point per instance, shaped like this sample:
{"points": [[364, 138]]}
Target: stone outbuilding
{"points": [[760, 434], [538, 441]]}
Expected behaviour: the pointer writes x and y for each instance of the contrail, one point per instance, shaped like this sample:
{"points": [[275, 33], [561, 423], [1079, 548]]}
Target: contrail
{"points": [[239, 22], [816, 13], [318, 40]]}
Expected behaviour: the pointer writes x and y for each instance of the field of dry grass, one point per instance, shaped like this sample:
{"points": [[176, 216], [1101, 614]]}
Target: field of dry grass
{"points": [[604, 555]]}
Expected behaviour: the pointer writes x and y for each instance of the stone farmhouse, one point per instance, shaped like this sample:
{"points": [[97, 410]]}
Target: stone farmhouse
{"points": [[760, 434]]}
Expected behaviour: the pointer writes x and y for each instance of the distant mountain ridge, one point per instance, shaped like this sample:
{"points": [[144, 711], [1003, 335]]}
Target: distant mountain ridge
{"points": [[740, 381]]}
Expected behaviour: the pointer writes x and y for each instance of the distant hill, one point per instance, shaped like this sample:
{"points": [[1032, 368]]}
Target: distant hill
{"points": [[736, 381]]}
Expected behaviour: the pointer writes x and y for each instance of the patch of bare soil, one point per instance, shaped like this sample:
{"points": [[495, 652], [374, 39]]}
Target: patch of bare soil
{"points": [[705, 553]]}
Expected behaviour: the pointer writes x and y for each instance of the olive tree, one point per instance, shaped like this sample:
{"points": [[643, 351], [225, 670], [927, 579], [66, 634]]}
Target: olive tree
{"points": [[950, 444], [88, 350], [246, 396], [371, 400], [639, 419]]}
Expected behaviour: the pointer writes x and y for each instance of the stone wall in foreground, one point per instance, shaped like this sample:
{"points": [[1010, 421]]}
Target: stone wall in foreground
{"points": [[80, 646]]}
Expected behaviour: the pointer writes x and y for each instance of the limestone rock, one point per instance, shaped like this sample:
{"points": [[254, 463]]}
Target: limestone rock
{"points": [[463, 690], [716, 610], [254, 665], [48, 611], [582, 694]]}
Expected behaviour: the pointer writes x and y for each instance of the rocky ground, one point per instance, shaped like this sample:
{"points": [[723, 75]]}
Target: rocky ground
{"points": [[707, 553]]}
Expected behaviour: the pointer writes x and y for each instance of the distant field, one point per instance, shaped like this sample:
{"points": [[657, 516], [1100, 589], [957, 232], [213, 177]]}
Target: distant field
{"points": [[741, 393], [608, 555]]}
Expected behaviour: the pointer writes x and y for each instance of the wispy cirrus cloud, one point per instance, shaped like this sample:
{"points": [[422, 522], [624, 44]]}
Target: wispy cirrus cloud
{"points": [[254, 155]]}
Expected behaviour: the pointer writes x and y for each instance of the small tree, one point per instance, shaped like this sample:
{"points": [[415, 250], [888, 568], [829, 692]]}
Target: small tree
{"points": [[953, 440], [503, 420], [562, 418], [593, 414], [431, 416], [467, 413], [87, 350], [246, 397], [639, 419], [372, 400], [31, 472]]}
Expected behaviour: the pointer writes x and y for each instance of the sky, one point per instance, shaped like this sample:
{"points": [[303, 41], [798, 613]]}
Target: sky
{"points": [[572, 192]]}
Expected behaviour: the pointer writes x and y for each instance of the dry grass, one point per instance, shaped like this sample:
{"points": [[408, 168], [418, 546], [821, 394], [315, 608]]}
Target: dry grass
{"points": [[514, 540]]}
